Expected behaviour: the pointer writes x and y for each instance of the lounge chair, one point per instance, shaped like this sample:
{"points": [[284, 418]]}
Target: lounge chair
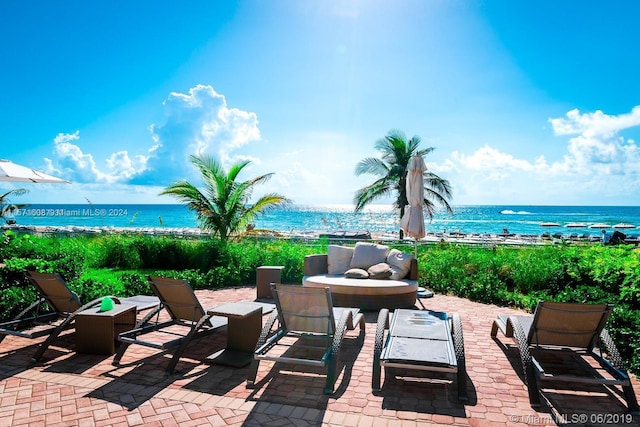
{"points": [[419, 341], [307, 332], [557, 329], [53, 312], [187, 320]]}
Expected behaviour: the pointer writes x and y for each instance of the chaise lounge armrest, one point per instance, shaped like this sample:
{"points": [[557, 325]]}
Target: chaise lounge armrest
{"points": [[317, 264]]}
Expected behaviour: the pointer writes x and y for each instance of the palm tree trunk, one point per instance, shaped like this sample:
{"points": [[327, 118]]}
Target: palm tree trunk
{"points": [[401, 234]]}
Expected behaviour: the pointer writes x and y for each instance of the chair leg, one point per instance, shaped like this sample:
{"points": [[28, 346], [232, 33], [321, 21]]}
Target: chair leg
{"points": [[331, 374], [494, 329], [185, 342], [458, 343], [532, 385], [527, 360], [45, 345], [332, 363], [630, 397], [253, 372], [383, 320], [52, 336], [140, 324], [123, 347], [262, 339]]}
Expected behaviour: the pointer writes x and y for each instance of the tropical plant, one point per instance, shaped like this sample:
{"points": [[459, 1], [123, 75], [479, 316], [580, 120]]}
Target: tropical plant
{"points": [[223, 206], [6, 207], [391, 168]]}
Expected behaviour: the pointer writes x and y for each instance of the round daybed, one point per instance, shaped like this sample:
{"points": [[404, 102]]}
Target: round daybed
{"points": [[367, 294]]}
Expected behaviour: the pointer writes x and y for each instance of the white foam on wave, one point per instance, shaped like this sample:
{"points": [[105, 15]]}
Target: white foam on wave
{"points": [[511, 212]]}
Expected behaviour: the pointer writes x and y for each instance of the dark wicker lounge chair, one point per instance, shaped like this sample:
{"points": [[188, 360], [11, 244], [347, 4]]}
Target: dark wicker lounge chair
{"points": [[55, 310], [419, 341], [566, 334], [187, 320], [307, 333]]}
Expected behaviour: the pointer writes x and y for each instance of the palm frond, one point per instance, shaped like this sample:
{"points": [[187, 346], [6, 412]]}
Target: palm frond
{"points": [[372, 166], [222, 205], [391, 168]]}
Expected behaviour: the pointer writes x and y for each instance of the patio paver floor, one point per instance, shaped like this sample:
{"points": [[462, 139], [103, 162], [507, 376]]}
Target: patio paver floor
{"points": [[72, 389]]}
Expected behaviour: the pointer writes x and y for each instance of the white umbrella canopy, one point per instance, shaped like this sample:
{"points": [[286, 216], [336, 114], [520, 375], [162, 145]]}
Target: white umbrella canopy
{"points": [[12, 172], [412, 222]]}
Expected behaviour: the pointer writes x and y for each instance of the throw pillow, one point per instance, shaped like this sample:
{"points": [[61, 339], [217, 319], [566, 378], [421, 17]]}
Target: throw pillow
{"points": [[400, 263], [367, 254], [356, 273], [338, 259], [379, 271]]}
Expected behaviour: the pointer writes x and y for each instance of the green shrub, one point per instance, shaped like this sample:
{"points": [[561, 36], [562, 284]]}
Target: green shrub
{"points": [[14, 299], [517, 277]]}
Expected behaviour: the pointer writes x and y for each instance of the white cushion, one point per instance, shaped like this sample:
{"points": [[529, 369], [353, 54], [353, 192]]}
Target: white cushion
{"points": [[338, 259], [343, 285], [400, 264], [367, 254]]}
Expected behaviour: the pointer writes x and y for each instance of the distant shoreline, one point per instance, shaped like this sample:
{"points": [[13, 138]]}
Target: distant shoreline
{"points": [[341, 236], [473, 221]]}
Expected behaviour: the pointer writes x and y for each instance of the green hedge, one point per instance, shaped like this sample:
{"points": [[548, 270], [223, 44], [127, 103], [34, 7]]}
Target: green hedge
{"points": [[522, 276], [508, 276]]}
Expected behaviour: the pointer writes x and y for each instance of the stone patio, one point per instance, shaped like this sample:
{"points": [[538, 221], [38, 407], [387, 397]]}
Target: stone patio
{"points": [[72, 389]]}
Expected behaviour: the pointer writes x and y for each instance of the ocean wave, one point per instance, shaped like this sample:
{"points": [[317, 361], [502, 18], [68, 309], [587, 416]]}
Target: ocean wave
{"points": [[511, 212]]}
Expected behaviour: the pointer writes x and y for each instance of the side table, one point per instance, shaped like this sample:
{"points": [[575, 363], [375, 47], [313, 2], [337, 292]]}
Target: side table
{"points": [[266, 275], [97, 331], [243, 331]]}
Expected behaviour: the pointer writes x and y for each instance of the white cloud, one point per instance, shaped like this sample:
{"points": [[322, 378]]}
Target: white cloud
{"points": [[598, 150], [495, 162], [598, 162], [77, 166], [595, 124], [198, 122]]}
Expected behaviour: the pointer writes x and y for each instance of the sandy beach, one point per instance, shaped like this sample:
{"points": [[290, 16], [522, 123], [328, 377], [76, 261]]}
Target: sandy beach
{"points": [[504, 238]]}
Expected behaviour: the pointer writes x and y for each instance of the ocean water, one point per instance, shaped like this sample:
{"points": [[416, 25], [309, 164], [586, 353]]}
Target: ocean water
{"points": [[523, 220]]}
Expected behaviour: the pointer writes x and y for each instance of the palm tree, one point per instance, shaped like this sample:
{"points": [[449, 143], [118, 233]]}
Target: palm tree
{"points": [[223, 205], [8, 208], [391, 168]]}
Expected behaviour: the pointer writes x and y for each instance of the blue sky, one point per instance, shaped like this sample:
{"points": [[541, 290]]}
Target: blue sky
{"points": [[524, 102]]}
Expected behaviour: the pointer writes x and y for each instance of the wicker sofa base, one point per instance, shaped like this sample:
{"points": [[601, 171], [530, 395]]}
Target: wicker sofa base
{"points": [[374, 302], [366, 294]]}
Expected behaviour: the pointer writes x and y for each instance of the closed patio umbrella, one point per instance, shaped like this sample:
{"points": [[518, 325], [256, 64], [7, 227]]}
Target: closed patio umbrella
{"points": [[412, 222], [12, 172]]}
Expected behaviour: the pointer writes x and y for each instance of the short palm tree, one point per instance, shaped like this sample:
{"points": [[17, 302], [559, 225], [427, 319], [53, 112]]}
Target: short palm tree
{"points": [[391, 168], [222, 207], [8, 208]]}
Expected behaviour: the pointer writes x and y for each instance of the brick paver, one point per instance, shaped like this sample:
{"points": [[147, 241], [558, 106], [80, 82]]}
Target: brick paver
{"points": [[72, 389]]}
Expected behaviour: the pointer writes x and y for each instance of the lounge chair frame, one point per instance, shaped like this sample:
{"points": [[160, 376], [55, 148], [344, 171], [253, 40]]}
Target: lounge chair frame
{"points": [[34, 322], [458, 367], [561, 326], [300, 326], [178, 299]]}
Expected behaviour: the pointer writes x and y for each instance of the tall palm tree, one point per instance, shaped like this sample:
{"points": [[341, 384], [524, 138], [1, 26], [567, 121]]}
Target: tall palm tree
{"points": [[391, 168], [223, 205], [8, 208]]}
